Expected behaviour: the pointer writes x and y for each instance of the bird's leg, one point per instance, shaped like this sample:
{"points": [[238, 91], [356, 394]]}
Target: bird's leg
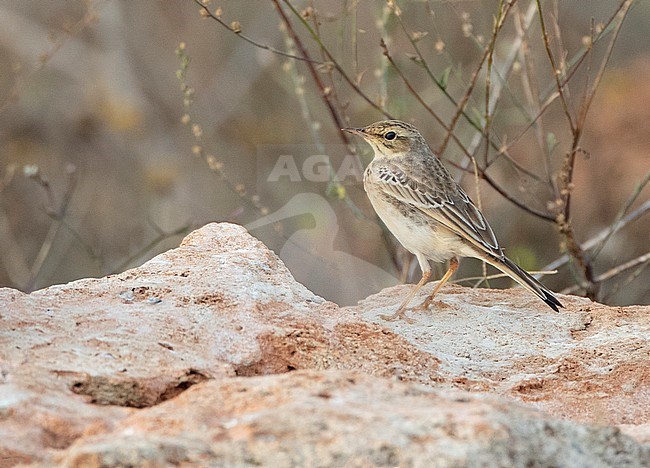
{"points": [[400, 312], [453, 266]]}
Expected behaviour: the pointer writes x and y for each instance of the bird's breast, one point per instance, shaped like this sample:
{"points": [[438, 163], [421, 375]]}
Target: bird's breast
{"points": [[415, 230]]}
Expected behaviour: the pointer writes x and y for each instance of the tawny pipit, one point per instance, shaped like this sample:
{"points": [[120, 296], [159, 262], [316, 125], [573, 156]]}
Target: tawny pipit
{"points": [[428, 212]]}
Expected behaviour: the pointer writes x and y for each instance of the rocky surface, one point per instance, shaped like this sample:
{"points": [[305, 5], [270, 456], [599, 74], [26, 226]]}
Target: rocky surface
{"points": [[343, 418], [213, 353]]}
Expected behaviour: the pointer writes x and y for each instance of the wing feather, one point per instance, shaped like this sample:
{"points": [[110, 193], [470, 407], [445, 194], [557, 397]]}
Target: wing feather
{"points": [[449, 205]]}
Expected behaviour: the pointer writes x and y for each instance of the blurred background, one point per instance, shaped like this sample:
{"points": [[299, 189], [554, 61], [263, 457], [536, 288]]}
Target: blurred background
{"points": [[124, 125]]}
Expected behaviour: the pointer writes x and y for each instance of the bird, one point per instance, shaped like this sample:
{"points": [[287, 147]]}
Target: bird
{"points": [[428, 212]]}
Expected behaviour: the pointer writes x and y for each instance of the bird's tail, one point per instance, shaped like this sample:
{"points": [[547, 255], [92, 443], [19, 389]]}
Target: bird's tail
{"points": [[522, 277]]}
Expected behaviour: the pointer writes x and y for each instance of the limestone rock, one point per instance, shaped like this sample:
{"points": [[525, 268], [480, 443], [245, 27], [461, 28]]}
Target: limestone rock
{"points": [[589, 362], [98, 371], [341, 418]]}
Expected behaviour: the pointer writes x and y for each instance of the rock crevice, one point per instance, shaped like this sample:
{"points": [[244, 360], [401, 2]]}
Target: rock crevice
{"points": [[212, 353]]}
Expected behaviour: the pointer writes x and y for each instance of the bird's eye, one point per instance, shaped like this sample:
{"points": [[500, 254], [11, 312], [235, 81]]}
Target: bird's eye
{"points": [[390, 135]]}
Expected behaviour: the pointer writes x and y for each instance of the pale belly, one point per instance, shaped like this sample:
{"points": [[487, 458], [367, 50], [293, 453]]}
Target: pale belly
{"points": [[418, 233]]}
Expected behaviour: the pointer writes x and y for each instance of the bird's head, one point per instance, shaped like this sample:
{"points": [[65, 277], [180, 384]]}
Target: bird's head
{"points": [[390, 138]]}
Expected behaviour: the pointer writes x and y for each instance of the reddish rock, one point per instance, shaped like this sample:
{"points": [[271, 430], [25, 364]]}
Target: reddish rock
{"points": [[589, 362], [341, 418], [85, 366]]}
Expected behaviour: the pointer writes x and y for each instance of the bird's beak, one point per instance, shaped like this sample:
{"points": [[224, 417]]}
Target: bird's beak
{"points": [[354, 131]]}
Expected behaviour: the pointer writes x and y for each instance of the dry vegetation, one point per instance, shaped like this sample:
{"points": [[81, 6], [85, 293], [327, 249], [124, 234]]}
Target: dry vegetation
{"points": [[538, 106]]}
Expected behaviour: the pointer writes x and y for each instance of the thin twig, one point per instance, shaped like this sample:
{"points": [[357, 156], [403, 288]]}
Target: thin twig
{"points": [[162, 235], [623, 267], [198, 149], [573, 66], [417, 96], [617, 270], [555, 70], [326, 96], [209, 14], [328, 70], [479, 202], [619, 219], [90, 17], [603, 235], [531, 92], [496, 92], [439, 84], [335, 185], [515, 200], [500, 21], [575, 63], [622, 13], [635, 274], [482, 278], [467, 150], [57, 212], [563, 219], [488, 83], [329, 55]]}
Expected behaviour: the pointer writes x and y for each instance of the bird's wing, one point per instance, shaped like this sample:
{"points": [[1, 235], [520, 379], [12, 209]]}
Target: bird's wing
{"points": [[448, 204]]}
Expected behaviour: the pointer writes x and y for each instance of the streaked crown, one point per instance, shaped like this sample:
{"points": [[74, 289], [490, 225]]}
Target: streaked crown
{"points": [[391, 137]]}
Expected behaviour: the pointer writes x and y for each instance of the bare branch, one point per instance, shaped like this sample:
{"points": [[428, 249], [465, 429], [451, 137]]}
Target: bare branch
{"points": [[643, 260], [603, 235], [326, 96], [329, 56], [412, 90], [563, 219], [500, 21], [623, 267], [162, 235], [540, 214], [555, 70], [89, 18], [641, 266], [467, 279], [586, 104], [488, 81], [619, 219], [208, 14]]}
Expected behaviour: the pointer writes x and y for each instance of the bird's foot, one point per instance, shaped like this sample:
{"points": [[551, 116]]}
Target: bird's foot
{"points": [[432, 302], [399, 315]]}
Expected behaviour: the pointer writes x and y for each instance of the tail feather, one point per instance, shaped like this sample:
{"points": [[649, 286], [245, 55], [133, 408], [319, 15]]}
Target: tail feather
{"points": [[522, 277]]}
